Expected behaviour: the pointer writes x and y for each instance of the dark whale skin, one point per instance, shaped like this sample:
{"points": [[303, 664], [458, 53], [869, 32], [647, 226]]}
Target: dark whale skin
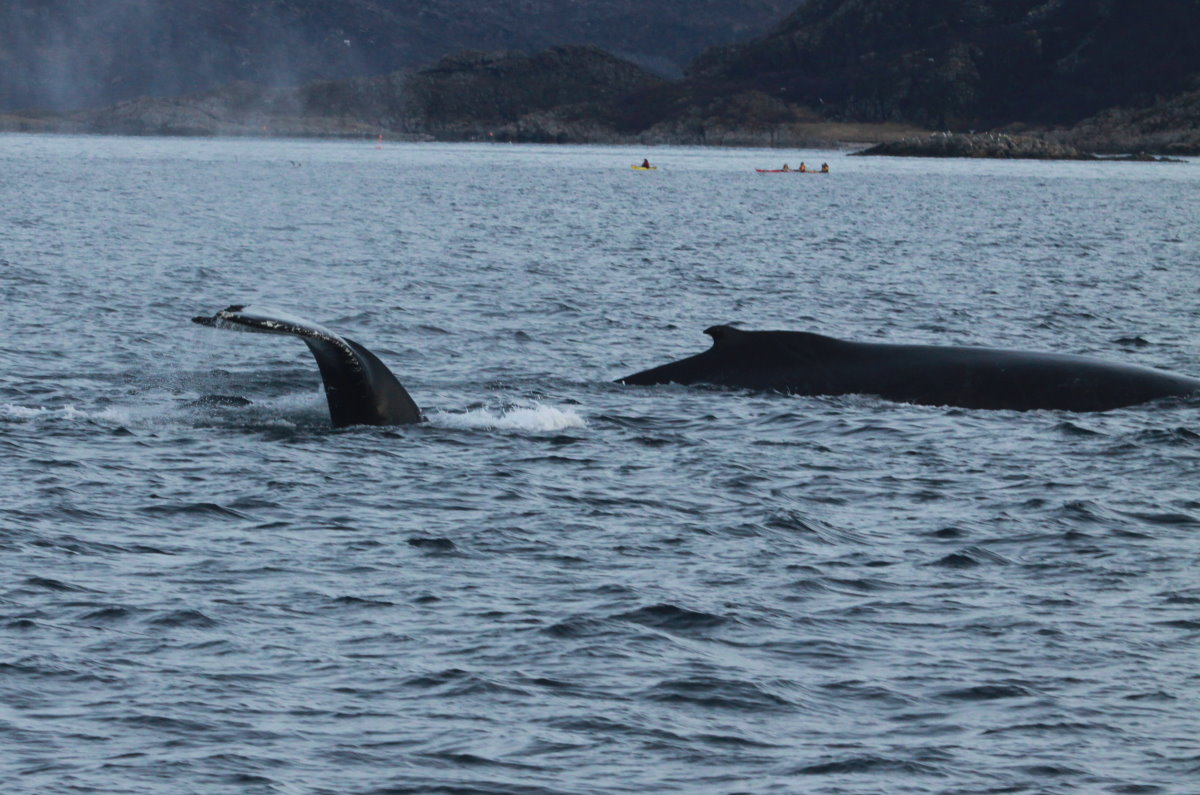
{"points": [[802, 363]]}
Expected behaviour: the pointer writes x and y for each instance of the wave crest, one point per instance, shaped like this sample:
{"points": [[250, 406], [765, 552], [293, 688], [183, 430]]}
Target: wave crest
{"points": [[535, 417]]}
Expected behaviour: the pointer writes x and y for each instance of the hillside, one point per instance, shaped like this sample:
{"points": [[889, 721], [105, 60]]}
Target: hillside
{"points": [[71, 54], [1103, 76], [469, 95], [956, 64]]}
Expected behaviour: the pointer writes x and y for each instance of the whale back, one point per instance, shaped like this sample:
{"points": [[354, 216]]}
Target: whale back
{"points": [[793, 361], [359, 388], [803, 363]]}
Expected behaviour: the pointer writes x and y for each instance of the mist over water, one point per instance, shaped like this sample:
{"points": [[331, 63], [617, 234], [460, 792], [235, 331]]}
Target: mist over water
{"points": [[74, 54], [557, 583]]}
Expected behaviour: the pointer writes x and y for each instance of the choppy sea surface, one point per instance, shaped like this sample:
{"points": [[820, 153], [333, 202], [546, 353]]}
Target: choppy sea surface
{"points": [[559, 584]]}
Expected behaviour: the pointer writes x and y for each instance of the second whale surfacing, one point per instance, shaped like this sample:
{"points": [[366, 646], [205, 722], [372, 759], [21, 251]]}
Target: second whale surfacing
{"points": [[802, 363], [361, 390]]}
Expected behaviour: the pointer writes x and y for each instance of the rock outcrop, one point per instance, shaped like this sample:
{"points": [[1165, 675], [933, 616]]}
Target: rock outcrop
{"points": [[994, 145], [1169, 126], [1042, 146]]}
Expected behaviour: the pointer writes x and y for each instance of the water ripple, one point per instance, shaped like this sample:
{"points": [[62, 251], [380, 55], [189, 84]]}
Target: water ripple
{"points": [[559, 584]]}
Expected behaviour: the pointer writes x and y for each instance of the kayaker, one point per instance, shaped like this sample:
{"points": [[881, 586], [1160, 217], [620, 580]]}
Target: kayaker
{"points": [[786, 167], [803, 167], [824, 168], [646, 163]]}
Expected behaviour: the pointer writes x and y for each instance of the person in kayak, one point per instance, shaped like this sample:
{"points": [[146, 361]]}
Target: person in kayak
{"points": [[824, 168], [786, 167], [646, 163], [803, 167]]}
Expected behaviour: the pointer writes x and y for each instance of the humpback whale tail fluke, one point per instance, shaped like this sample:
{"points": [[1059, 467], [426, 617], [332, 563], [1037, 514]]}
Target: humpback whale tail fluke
{"points": [[361, 390]]}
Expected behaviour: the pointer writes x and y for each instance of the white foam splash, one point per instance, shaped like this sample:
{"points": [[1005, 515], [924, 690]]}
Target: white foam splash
{"points": [[533, 418], [10, 412], [521, 418], [111, 414]]}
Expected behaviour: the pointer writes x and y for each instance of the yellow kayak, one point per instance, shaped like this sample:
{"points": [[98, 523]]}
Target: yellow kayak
{"points": [[644, 168]]}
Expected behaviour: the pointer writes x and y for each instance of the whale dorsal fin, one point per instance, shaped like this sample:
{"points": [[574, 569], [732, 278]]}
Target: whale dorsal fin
{"points": [[723, 335], [726, 338], [360, 389]]}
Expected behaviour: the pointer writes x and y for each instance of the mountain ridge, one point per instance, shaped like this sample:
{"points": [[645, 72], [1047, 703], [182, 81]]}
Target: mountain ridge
{"points": [[64, 55], [831, 72]]}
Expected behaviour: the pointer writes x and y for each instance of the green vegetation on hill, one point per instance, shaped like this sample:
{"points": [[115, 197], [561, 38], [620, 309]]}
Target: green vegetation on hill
{"points": [[969, 63], [475, 94]]}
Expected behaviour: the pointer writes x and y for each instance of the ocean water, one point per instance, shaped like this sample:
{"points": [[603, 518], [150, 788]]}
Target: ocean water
{"points": [[559, 584]]}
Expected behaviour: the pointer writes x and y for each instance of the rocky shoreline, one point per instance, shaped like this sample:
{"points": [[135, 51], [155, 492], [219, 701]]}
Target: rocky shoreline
{"points": [[989, 145], [1168, 127], [570, 94], [210, 117], [259, 113], [995, 146], [533, 128]]}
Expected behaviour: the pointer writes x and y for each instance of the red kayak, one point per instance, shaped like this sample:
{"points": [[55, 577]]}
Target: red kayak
{"points": [[789, 171]]}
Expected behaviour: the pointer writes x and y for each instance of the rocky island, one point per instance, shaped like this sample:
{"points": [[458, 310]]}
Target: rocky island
{"points": [[993, 145]]}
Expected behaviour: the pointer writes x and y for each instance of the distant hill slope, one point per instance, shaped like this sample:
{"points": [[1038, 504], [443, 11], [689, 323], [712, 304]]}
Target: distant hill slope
{"points": [[1099, 75], [968, 63], [68, 54], [469, 95]]}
